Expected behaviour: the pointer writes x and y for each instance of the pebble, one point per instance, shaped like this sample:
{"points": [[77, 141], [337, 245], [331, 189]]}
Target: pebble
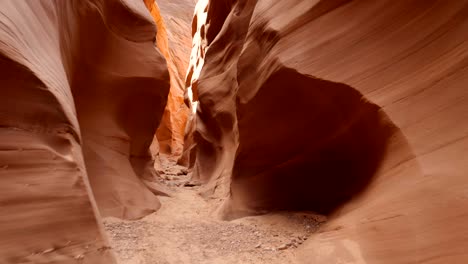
{"points": [[283, 247]]}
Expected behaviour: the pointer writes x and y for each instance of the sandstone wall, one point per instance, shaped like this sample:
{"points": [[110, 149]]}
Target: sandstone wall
{"points": [[83, 90], [174, 40], [355, 109]]}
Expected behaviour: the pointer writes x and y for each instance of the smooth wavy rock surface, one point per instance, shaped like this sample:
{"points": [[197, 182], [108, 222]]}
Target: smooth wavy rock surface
{"points": [[354, 109], [173, 20], [83, 90]]}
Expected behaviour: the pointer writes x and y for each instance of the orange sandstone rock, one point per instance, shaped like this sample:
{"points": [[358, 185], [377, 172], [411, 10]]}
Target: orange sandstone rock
{"points": [[173, 39], [355, 109], [83, 90]]}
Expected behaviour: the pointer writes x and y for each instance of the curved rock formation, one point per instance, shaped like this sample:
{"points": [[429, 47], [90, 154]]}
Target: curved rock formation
{"points": [[188, 156], [119, 119], [355, 109], [83, 90], [197, 58], [173, 39]]}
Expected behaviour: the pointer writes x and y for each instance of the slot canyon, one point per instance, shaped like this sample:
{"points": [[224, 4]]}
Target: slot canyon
{"points": [[233, 131]]}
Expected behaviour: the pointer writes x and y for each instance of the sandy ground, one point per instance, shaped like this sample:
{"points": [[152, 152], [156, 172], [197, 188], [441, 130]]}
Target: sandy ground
{"points": [[184, 230]]}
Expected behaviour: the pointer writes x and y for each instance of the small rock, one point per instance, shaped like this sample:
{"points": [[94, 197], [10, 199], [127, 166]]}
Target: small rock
{"points": [[80, 256], [191, 184], [258, 245], [283, 247]]}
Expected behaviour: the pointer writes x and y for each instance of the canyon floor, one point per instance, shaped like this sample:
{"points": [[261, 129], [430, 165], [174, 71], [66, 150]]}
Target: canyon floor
{"points": [[185, 230]]}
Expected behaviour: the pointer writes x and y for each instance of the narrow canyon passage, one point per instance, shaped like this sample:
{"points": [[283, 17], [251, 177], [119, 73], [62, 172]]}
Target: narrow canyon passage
{"points": [[233, 131], [186, 230]]}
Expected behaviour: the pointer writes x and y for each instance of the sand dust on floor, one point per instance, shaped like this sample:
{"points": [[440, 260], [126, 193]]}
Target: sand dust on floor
{"points": [[185, 231]]}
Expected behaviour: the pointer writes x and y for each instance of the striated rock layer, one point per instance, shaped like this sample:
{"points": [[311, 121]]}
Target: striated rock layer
{"points": [[83, 90], [119, 119], [174, 40], [354, 109]]}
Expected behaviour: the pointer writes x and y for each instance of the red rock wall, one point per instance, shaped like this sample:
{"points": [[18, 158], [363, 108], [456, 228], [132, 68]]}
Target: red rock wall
{"points": [[173, 39], [355, 109], [83, 90], [197, 57], [119, 119]]}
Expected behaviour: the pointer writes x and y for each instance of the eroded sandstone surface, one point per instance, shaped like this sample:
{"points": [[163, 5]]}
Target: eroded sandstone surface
{"points": [[83, 91], [354, 109], [174, 40], [279, 110]]}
